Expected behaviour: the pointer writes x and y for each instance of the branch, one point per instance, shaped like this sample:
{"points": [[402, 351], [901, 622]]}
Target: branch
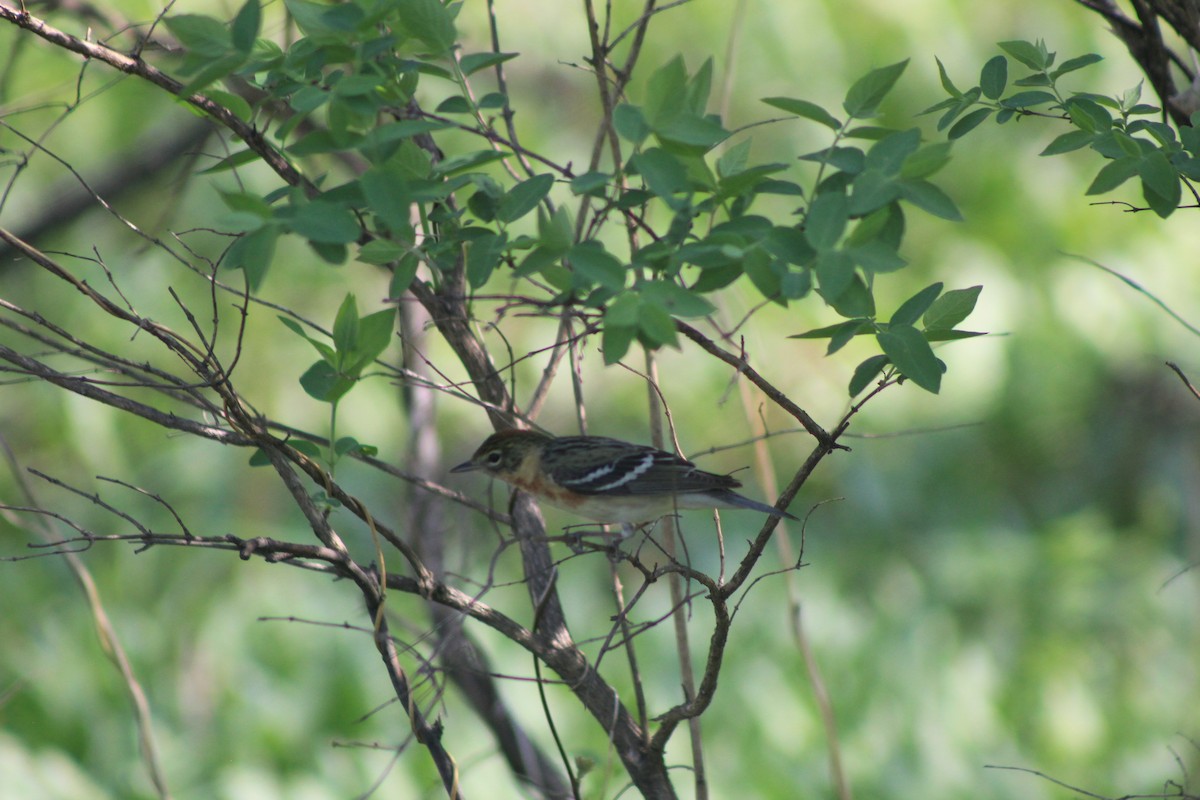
{"points": [[139, 68], [779, 398]]}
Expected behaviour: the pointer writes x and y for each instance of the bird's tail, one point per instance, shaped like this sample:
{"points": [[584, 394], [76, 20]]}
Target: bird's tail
{"points": [[730, 499]]}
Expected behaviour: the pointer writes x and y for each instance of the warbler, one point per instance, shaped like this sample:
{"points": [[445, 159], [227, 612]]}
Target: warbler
{"points": [[603, 479]]}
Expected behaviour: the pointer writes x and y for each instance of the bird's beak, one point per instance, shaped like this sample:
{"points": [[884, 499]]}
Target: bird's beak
{"points": [[466, 466]]}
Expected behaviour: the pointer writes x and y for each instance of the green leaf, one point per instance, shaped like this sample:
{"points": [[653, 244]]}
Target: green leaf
{"points": [[950, 309], [524, 197], [454, 104], [889, 153], [320, 141], [200, 35], [947, 84], [240, 222], [1031, 55], [1089, 115], [385, 189], [912, 308], [404, 274], [252, 253], [592, 183], [865, 372], [733, 161], [593, 262], [759, 267], [630, 123], [994, 77], [675, 299], [885, 225], [482, 257], [926, 161], [1113, 174], [656, 326], [958, 107], [325, 223], [541, 260], [620, 327], [805, 109], [1163, 134], [1065, 143], [247, 202], [699, 88], [330, 253], [623, 311], [845, 332], [847, 159], [238, 159], [473, 62], [231, 101], [951, 336], [666, 93], [796, 283], [868, 92], [780, 187], [835, 274], [381, 251], [306, 99], [1033, 97], [876, 256], [825, 332], [907, 349], [317, 19], [345, 325], [788, 244], [615, 342], [310, 449], [691, 129], [468, 162], [1160, 183], [838, 335], [1079, 62], [209, 70], [555, 233], [244, 31], [663, 173], [871, 190], [927, 197], [386, 135], [969, 123], [322, 382], [346, 444], [826, 220], [492, 101], [327, 352], [1126, 143], [374, 336], [1037, 79], [870, 133], [427, 20], [855, 301]]}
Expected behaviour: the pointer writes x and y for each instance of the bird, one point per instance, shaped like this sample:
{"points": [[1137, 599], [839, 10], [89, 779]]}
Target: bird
{"points": [[604, 479]]}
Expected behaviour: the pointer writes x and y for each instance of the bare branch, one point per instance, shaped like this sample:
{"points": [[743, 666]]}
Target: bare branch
{"points": [[136, 66]]}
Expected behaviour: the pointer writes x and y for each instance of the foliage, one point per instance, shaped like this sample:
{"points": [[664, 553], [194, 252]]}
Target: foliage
{"points": [[691, 202], [504, 262], [453, 205], [1163, 157]]}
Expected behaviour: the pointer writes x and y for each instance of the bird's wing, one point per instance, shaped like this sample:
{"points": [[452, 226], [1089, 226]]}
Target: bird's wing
{"points": [[621, 468]]}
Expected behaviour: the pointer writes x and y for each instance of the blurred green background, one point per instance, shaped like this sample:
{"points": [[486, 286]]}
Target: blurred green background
{"points": [[1003, 579]]}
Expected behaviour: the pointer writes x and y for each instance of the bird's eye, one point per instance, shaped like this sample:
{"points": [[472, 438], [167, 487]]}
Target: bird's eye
{"points": [[493, 458]]}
